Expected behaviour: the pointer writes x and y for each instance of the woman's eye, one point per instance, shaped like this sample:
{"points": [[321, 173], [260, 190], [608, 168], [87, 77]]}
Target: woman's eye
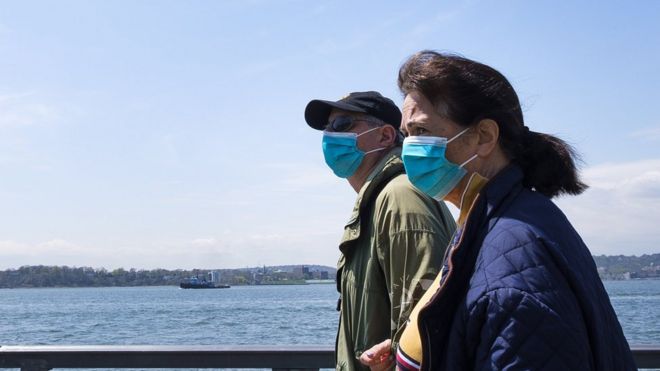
{"points": [[420, 131]]}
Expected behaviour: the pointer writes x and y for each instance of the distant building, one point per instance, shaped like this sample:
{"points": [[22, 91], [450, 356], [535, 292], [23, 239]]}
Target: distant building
{"points": [[214, 276]]}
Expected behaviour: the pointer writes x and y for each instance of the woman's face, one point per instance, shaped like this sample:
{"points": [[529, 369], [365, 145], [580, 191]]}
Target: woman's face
{"points": [[421, 119]]}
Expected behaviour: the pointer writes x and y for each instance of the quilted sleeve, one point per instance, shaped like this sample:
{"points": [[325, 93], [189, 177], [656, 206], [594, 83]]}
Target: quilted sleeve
{"points": [[516, 331]]}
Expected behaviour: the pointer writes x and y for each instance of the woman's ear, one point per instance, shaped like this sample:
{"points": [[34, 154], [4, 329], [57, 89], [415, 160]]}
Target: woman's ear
{"points": [[488, 134]]}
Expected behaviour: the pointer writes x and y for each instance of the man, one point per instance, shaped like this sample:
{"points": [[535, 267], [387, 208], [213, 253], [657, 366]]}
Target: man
{"points": [[394, 241]]}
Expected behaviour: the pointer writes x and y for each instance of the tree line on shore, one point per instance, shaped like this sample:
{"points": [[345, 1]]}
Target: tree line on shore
{"points": [[64, 276], [621, 267], [609, 267]]}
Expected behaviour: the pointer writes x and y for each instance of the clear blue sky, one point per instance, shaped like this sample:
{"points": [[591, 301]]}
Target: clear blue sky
{"points": [[171, 134]]}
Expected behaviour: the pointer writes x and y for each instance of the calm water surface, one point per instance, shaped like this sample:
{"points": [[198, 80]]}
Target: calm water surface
{"points": [[637, 304], [265, 315]]}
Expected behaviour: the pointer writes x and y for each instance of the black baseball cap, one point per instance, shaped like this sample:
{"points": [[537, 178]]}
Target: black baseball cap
{"points": [[370, 102]]}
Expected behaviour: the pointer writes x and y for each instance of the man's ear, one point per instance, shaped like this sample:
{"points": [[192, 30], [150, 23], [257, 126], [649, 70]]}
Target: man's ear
{"points": [[388, 135], [488, 134]]}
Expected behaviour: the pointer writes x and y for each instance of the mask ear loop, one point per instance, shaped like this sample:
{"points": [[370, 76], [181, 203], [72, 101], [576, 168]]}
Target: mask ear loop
{"points": [[373, 150], [466, 188], [370, 130], [468, 160], [469, 180], [458, 135]]}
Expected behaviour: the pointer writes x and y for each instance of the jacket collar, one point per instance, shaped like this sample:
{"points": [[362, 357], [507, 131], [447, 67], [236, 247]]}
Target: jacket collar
{"points": [[388, 167], [470, 194], [504, 183]]}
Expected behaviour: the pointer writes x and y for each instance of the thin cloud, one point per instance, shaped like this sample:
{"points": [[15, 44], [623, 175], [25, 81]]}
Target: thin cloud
{"points": [[431, 24], [60, 245], [359, 38], [319, 9], [12, 247], [57, 246], [266, 66], [620, 176], [620, 211], [647, 134], [294, 177], [272, 245], [23, 110], [14, 254], [4, 31], [232, 249], [332, 46], [204, 242], [645, 186]]}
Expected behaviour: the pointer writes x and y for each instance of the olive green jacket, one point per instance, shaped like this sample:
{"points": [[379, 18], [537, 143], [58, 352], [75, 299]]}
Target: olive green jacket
{"points": [[392, 249]]}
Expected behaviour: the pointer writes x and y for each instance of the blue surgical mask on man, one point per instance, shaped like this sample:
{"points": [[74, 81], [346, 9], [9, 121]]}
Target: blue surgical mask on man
{"points": [[342, 153], [427, 167]]}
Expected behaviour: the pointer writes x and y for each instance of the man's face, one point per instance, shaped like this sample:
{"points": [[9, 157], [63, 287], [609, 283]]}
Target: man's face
{"points": [[351, 122]]}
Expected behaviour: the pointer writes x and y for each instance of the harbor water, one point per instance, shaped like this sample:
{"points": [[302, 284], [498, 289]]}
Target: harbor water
{"points": [[241, 315]]}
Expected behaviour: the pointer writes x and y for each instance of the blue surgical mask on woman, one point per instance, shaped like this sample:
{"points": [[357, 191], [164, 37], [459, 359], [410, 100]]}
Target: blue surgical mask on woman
{"points": [[427, 167], [342, 154]]}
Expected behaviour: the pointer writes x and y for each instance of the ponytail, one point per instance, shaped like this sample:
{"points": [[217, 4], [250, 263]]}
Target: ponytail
{"points": [[548, 164]]}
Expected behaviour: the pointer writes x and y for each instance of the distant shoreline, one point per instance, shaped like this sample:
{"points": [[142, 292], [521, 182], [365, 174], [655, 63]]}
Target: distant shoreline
{"points": [[64, 276], [174, 286], [245, 285], [610, 268]]}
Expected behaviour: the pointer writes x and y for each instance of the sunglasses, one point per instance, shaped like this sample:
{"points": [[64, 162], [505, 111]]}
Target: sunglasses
{"points": [[344, 123]]}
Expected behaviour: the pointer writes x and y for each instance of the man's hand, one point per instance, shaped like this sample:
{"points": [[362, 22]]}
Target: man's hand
{"points": [[378, 357]]}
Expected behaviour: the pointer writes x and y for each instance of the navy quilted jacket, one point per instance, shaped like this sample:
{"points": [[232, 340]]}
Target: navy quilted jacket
{"points": [[521, 292]]}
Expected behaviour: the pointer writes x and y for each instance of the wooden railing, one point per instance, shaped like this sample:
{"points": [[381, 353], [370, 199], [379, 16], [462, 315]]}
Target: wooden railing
{"points": [[46, 357]]}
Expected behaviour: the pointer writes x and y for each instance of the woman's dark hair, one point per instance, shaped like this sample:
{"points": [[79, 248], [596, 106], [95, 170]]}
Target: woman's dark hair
{"points": [[466, 92]]}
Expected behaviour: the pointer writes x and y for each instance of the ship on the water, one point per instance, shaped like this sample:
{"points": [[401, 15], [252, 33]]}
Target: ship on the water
{"points": [[196, 283]]}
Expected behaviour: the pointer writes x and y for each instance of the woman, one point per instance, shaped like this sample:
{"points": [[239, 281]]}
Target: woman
{"points": [[519, 288]]}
